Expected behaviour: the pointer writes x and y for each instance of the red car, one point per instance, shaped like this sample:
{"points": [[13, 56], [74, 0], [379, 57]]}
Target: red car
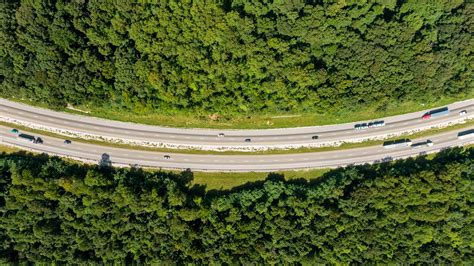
{"points": [[426, 116]]}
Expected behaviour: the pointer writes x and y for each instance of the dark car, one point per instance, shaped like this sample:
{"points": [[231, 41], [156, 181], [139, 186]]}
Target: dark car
{"points": [[14, 131], [67, 141], [167, 157], [39, 141], [248, 140], [315, 137]]}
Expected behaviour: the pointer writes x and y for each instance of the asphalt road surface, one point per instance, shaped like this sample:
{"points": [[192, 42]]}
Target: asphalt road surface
{"points": [[234, 163], [209, 139]]}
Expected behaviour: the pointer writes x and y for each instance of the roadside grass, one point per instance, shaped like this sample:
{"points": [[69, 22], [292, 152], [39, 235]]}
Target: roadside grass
{"points": [[258, 121], [8, 149], [225, 181], [344, 146]]}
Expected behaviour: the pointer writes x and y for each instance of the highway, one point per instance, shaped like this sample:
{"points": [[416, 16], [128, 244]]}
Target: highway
{"points": [[231, 163], [208, 139]]}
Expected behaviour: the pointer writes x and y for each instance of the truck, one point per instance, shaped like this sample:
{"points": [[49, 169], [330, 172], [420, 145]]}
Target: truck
{"points": [[436, 113], [26, 137], [30, 138], [399, 143], [466, 134], [427, 143]]}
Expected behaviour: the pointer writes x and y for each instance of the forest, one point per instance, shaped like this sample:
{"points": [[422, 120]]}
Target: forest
{"points": [[413, 211], [233, 57]]}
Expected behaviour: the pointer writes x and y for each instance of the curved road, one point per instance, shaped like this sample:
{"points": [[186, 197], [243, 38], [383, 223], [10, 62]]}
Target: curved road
{"points": [[91, 127], [236, 163]]}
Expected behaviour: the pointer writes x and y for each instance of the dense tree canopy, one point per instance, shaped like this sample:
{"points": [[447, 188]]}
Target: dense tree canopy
{"points": [[416, 211], [235, 56]]}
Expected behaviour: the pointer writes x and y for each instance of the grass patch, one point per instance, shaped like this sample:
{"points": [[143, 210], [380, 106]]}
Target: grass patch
{"points": [[223, 181], [8, 149], [344, 146], [260, 121]]}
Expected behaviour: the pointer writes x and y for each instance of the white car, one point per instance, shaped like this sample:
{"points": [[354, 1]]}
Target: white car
{"points": [[463, 112], [220, 135]]}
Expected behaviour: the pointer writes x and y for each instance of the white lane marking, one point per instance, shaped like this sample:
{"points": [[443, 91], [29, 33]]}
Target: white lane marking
{"points": [[35, 116], [186, 159], [231, 161]]}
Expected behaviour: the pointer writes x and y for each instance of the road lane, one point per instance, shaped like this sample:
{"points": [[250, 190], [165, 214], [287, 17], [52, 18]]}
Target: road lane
{"points": [[233, 139], [235, 163]]}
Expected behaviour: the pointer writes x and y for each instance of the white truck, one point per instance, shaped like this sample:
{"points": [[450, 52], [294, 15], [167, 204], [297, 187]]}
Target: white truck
{"points": [[399, 143]]}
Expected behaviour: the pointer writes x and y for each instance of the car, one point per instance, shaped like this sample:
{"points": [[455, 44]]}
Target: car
{"points": [[357, 127], [363, 126], [167, 157], [39, 140], [429, 143], [67, 141], [463, 112], [14, 131], [371, 124], [248, 140], [315, 137], [220, 135]]}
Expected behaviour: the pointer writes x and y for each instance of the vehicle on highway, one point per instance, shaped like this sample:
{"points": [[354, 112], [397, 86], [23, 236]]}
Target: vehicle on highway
{"points": [[372, 124], [427, 143], [315, 137], [26, 137], [361, 126], [248, 140], [436, 113], [39, 140], [167, 157], [220, 135], [466, 134], [399, 143], [67, 141], [463, 112], [14, 131]]}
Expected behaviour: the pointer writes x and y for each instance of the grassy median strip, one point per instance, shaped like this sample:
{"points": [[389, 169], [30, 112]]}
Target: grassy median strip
{"points": [[257, 121], [421, 134]]}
